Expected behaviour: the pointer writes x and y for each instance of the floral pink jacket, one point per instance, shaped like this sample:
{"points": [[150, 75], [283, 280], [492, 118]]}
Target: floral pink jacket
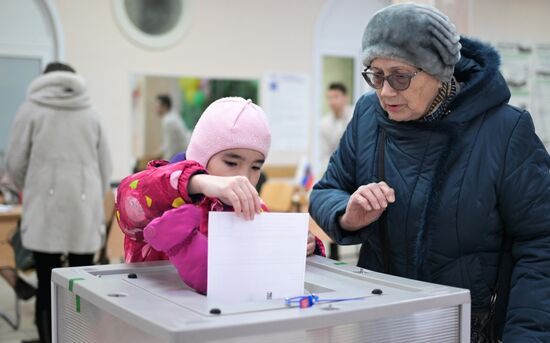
{"points": [[162, 221]]}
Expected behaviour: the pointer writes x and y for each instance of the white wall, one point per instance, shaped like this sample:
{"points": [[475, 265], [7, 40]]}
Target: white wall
{"points": [[230, 38], [27, 42], [25, 29], [498, 20], [511, 20], [339, 31], [243, 39]]}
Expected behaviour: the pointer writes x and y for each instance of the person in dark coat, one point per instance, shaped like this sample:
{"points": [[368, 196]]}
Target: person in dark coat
{"points": [[440, 179]]}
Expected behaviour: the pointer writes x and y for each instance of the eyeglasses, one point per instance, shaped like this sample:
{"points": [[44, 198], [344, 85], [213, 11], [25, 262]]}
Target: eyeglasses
{"points": [[397, 81]]}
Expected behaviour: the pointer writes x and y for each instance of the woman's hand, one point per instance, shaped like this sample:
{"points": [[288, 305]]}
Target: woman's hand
{"points": [[236, 191], [311, 243], [366, 205]]}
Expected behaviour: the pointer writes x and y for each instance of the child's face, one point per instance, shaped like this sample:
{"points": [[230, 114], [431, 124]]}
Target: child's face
{"points": [[237, 162]]}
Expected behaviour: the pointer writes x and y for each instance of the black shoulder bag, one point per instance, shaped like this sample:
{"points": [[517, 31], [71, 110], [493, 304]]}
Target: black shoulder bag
{"points": [[483, 324]]}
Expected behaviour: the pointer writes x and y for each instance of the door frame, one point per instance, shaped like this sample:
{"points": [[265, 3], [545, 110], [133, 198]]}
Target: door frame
{"points": [[44, 53], [359, 87]]}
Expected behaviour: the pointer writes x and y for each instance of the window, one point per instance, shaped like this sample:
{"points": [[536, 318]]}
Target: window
{"points": [[153, 23]]}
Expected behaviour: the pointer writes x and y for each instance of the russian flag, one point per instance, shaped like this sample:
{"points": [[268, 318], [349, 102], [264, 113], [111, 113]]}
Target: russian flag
{"points": [[307, 180]]}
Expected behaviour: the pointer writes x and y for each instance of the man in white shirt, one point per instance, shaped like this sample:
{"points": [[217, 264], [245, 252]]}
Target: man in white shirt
{"points": [[175, 135], [335, 122]]}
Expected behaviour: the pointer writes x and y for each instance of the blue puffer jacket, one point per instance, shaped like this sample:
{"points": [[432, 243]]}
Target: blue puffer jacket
{"points": [[471, 189]]}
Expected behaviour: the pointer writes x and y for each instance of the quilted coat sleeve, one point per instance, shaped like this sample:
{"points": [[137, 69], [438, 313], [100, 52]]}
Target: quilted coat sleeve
{"points": [[330, 195], [524, 196], [146, 195]]}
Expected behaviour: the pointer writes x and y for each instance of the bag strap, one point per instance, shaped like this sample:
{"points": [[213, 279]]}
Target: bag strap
{"points": [[494, 291], [380, 148], [383, 220]]}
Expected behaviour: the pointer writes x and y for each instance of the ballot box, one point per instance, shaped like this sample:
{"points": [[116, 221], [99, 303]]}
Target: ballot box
{"points": [[147, 302]]}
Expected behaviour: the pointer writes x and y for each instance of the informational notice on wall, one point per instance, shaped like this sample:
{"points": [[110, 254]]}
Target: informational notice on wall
{"points": [[526, 68], [286, 100]]}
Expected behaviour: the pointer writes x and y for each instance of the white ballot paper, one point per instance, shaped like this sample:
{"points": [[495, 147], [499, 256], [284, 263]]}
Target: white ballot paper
{"points": [[256, 260]]}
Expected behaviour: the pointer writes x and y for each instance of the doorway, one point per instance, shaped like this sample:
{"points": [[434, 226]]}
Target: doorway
{"points": [[31, 37]]}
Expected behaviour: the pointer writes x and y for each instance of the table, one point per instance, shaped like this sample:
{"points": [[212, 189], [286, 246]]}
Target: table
{"points": [[9, 216]]}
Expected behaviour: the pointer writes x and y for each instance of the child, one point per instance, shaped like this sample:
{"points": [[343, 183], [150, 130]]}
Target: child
{"points": [[164, 210]]}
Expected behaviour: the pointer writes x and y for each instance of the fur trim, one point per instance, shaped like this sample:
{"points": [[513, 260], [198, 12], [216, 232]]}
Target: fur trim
{"points": [[476, 70]]}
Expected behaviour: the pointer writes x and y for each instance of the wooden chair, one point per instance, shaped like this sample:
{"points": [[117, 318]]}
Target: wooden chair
{"points": [[115, 244], [279, 171], [278, 196], [113, 249]]}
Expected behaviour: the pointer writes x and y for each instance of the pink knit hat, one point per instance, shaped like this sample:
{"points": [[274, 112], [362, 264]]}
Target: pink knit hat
{"points": [[229, 123]]}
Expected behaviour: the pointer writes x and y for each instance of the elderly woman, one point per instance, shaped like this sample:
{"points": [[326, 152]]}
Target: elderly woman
{"points": [[440, 179]]}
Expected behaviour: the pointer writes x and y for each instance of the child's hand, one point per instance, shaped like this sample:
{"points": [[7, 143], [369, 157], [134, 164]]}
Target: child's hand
{"points": [[236, 191]]}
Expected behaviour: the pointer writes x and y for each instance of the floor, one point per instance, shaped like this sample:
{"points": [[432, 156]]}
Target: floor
{"points": [[27, 329]]}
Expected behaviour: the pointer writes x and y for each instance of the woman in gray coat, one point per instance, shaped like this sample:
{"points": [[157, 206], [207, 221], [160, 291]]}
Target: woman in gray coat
{"points": [[58, 156]]}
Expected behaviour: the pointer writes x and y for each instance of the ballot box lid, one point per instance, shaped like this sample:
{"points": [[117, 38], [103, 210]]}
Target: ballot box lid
{"points": [[152, 297]]}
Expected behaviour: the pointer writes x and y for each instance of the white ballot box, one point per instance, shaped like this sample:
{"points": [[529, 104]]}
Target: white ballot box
{"points": [[147, 302]]}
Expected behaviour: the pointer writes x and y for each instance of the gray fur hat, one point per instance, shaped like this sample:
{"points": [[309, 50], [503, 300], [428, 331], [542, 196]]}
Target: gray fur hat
{"points": [[415, 34]]}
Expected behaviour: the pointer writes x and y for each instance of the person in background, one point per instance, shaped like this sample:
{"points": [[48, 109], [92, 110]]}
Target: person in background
{"points": [[334, 123], [175, 135], [59, 157], [333, 126], [440, 179]]}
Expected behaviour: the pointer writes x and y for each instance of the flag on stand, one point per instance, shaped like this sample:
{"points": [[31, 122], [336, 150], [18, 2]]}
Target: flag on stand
{"points": [[307, 180]]}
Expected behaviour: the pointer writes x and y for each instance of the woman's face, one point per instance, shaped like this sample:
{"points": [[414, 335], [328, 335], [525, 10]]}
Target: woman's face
{"points": [[237, 162], [412, 103]]}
